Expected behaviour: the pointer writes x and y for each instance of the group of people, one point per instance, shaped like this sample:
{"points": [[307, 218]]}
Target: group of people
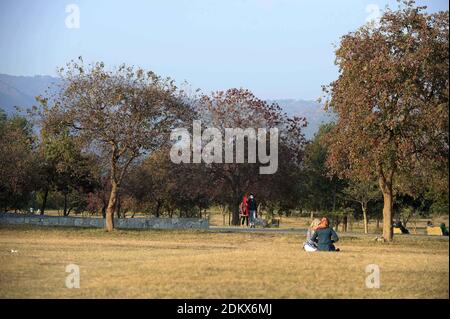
{"points": [[248, 210], [320, 236], [442, 226]]}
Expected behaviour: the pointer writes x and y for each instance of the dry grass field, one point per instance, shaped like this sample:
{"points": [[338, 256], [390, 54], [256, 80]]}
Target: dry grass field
{"points": [[204, 264]]}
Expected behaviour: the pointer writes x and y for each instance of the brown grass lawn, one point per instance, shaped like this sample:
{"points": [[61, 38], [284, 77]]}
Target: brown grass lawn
{"points": [[202, 264]]}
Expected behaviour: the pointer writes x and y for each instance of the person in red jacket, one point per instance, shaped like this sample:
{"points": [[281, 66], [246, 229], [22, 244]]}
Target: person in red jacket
{"points": [[244, 210]]}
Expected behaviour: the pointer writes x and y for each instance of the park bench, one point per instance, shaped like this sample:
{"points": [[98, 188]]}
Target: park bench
{"points": [[434, 231], [398, 228]]}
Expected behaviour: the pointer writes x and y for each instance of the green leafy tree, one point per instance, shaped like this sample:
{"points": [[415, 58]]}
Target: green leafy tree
{"points": [[17, 162]]}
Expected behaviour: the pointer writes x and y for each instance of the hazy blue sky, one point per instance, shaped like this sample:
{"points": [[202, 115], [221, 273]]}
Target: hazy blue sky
{"points": [[278, 49]]}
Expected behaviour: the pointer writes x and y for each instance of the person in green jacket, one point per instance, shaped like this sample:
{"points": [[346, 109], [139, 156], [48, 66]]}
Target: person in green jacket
{"points": [[444, 229], [325, 236]]}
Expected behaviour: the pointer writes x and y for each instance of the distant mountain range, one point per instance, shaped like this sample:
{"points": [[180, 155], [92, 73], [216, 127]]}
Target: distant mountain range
{"points": [[312, 110], [21, 91]]}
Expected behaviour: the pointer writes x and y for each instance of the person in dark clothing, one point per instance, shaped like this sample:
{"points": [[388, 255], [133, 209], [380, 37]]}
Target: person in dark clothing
{"points": [[444, 229], [252, 209], [403, 229], [325, 236]]}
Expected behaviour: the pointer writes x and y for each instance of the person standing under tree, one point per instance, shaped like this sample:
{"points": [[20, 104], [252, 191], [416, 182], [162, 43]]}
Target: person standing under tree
{"points": [[243, 207], [252, 208]]}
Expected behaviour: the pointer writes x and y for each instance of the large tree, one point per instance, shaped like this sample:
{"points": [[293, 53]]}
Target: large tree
{"points": [[391, 98], [241, 109], [120, 114]]}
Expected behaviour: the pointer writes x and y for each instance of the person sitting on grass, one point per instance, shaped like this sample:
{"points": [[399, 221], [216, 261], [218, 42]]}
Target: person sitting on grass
{"points": [[325, 236], [311, 245]]}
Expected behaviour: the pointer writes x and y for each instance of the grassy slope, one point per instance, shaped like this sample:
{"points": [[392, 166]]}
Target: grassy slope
{"points": [[197, 264]]}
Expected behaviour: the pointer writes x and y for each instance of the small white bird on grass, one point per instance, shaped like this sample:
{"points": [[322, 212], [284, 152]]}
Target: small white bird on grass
{"points": [[14, 251]]}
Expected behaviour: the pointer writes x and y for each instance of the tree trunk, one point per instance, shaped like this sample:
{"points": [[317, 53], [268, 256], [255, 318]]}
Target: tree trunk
{"points": [[109, 222], [235, 210], [65, 205], [344, 223], [336, 222], [387, 216], [366, 224], [386, 188], [116, 180], [158, 207], [118, 206], [385, 182], [44, 201], [235, 217], [104, 211]]}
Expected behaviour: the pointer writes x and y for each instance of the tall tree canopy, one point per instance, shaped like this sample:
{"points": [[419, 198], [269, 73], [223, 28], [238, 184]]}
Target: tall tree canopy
{"points": [[241, 109], [121, 113], [391, 98]]}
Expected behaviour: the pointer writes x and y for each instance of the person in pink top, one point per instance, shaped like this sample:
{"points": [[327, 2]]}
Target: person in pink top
{"points": [[244, 210]]}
